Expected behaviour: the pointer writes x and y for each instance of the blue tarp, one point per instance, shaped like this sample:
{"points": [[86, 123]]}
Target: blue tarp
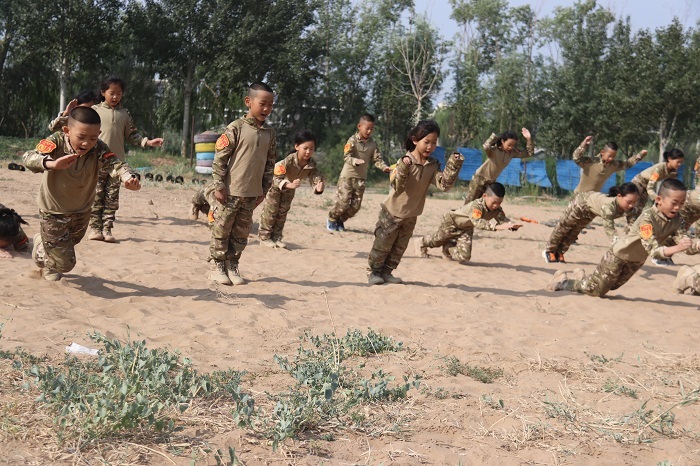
{"points": [[632, 171], [568, 174], [536, 172], [510, 176], [473, 159]]}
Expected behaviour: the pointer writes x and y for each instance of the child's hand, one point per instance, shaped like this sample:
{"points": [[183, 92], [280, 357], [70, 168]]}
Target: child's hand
{"points": [[132, 184], [526, 133], [641, 155], [5, 254], [387, 170], [62, 163], [157, 142], [221, 195], [359, 161], [319, 187], [685, 243], [406, 160], [587, 141], [71, 105], [293, 185], [515, 226]]}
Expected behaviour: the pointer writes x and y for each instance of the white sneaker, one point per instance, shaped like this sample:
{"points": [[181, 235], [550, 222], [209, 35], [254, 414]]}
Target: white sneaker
{"points": [[664, 262]]}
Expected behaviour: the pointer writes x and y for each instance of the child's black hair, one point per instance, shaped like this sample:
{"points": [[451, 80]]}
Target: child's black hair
{"points": [[612, 145], [258, 86], [508, 134], [673, 154], [87, 97], [496, 189], [671, 184], [108, 81], [623, 190], [84, 115], [9, 223], [304, 136], [422, 129], [368, 117]]}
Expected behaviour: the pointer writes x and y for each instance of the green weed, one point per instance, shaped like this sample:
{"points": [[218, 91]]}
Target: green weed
{"points": [[454, 368]]}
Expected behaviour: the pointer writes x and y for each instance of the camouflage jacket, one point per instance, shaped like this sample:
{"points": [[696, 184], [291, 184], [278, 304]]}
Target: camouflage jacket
{"points": [[498, 159], [649, 179], [595, 172], [357, 149], [476, 215], [288, 170]]}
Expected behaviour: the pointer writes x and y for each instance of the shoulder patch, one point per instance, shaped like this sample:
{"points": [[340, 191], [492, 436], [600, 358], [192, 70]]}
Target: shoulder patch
{"points": [[45, 146], [476, 213], [347, 147], [280, 169], [646, 231], [654, 177], [222, 142], [108, 155]]}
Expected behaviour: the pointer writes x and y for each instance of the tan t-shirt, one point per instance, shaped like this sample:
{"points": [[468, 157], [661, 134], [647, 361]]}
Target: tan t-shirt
{"points": [[357, 149], [595, 173], [71, 190], [499, 159], [118, 126]]}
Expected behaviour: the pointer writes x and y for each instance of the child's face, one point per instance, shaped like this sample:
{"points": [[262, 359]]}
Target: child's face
{"points": [[675, 164], [260, 105], [425, 146], [509, 144], [492, 202], [305, 150], [670, 203], [627, 202], [82, 137], [113, 95], [607, 155], [365, 128]]}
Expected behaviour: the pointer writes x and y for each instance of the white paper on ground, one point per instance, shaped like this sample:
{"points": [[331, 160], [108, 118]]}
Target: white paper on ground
{"points": [[80, 349]]}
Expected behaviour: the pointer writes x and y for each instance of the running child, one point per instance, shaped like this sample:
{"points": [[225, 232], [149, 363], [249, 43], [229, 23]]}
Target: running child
{"points": [[84, 99]]}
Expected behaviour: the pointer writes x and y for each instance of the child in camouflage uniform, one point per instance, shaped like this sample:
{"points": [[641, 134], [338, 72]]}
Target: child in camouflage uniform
{"points": [[500, 150], [647, 237], [84, 99], [243, 169], [71, 163], [289, 173], [581, 211], [359, 151], [204, 201], [11, 232], [457, 228], [596, 170], [413, 175]]}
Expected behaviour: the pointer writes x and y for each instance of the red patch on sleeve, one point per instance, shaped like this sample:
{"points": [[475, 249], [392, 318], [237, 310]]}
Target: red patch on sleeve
{"points": [[222, 142], [280, 170], [45, 146], [646, 231], [347, 148], [476, 213], [108, 155], [654, 177]]}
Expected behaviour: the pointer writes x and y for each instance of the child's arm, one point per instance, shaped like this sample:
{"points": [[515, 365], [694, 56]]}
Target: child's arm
{"points": [[446, 179], [504, 223], [118, 167], [225, 146], [651, 244], [42, 157], [489, 144], [529, 146], [279, 179], [630, 162], [316, 180], [348, 151], [654, 179], [578, 156], [401, 174], [132, 135], [379, 162], [62, 120]]}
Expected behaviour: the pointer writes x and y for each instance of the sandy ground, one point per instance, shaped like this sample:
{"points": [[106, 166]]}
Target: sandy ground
{"points": [[493, 312]]}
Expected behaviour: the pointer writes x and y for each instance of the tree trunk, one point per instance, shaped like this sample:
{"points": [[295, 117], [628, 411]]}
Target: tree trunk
{"points": [[664, 135], [5, 47], [63, 78], [185, 143]]}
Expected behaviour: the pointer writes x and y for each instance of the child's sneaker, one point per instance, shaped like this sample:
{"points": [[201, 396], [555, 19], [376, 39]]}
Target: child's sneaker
{"points": [[51, 275], [108, 236], [389, 278], [267, 242], [280, 244], [668, 262], [557, 281], [421, 248], [331, 225], [560, 257], [549, 257], [374, 279], [217, 273], [96, 235], [38, 251], [340, 226], [233, 274]]}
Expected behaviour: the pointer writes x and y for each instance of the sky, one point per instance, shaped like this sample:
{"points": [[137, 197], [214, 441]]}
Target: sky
{"points": [[643, 14]]}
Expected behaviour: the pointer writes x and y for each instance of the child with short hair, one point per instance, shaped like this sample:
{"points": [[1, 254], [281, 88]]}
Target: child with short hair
{"points": [[11, 232], [646, 238], [71, 163], [358, 152], [456, 231], [243, 169], [289, 173], [582, 209], [117, 125], [596, 170], [500, 150], [84, 99], [413, 175], [204, 201]]}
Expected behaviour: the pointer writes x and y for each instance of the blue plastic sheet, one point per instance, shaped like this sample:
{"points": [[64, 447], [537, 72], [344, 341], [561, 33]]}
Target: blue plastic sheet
{"points": [[609, 183], [568, 174], [472, 161], [634, 170], [536, 173], [510, 176]]}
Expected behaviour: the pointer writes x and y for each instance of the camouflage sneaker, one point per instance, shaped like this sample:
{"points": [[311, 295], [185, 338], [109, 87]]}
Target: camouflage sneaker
{"points": [[340, 226], [331, 225], [374, 279], [389, 278], [280, 244], [550, 257], [557, 281], [668, 262], [233, 274], [267, 242], [684, 279], [194, 212], [38, 253], [217, 273], [51, 275], [421, 248], [96, 235], [560, 257], [108, 236]]}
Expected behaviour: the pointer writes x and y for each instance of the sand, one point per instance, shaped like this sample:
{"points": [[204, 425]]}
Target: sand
{"points": [[493, 312]]}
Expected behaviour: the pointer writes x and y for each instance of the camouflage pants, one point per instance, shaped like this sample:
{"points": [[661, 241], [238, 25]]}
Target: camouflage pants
{"points": [[689, 214], [611, 274], [229, 235], [274, 215], [574, 219], [104, 210], [476, 189], [391, 238], [456, 244], [349, 199], [59, 235], [633, 215]]}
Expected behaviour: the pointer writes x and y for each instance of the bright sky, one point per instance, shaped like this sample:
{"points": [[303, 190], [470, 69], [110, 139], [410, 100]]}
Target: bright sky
{"points": [[643, 14]]}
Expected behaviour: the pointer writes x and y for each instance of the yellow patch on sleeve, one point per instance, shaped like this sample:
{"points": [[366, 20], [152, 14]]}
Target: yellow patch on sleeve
{"points": [[45, 146], [646, 231], [280, 169], [654, 177], [346, 148], [476, 213], [222, 142]]}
